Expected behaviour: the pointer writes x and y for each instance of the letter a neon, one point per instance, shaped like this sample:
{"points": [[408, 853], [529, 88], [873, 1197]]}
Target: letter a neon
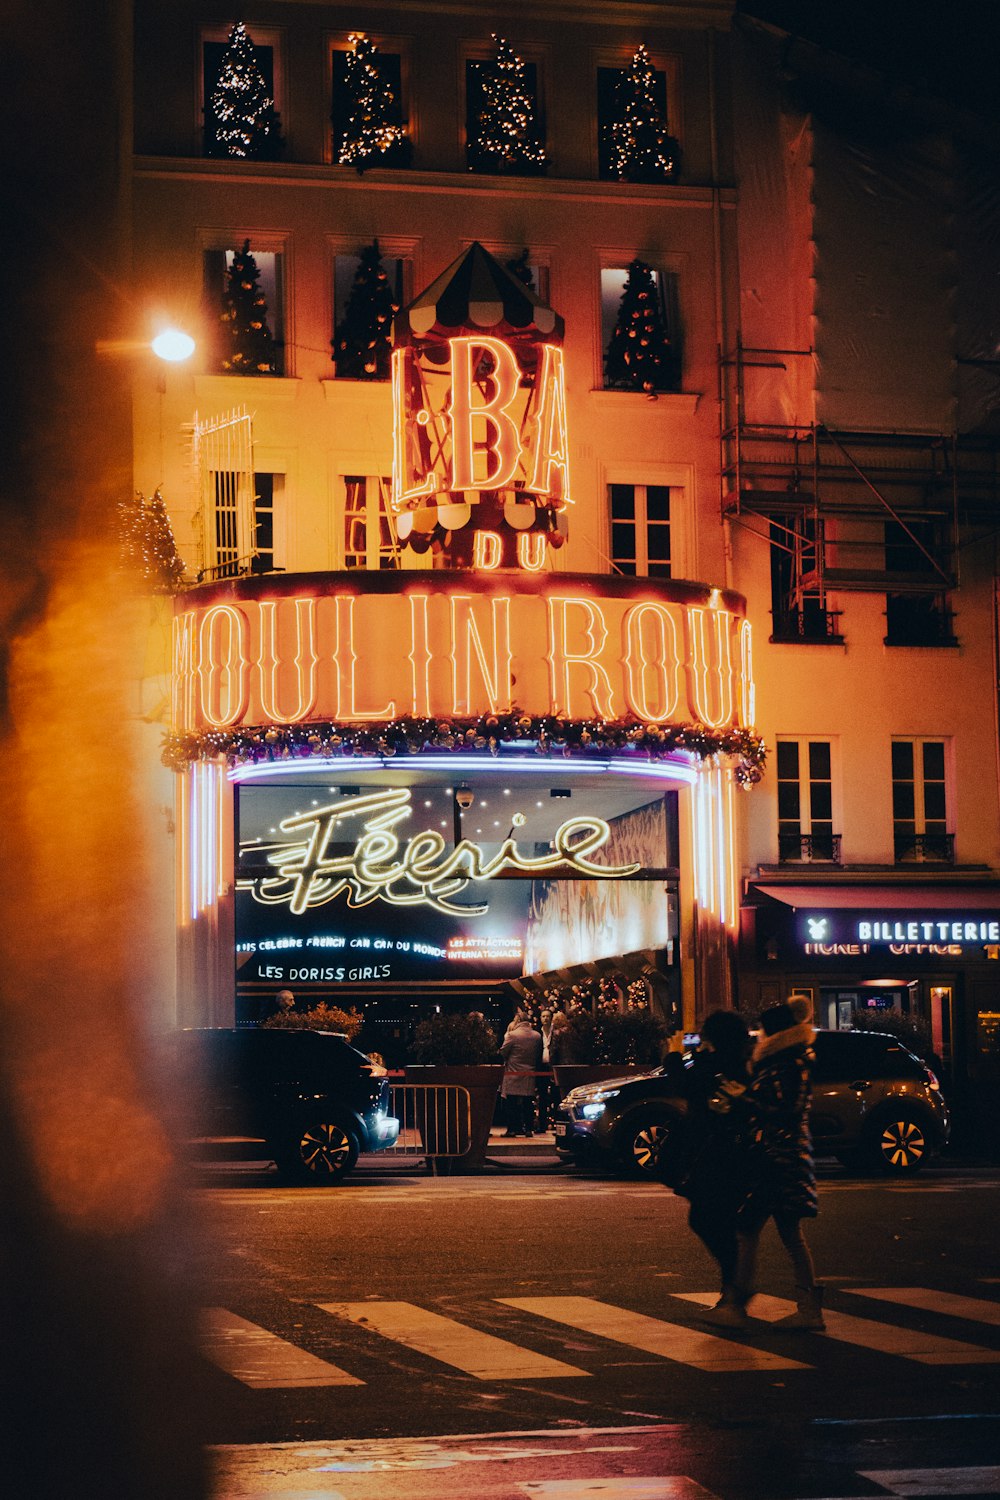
{"points": [[551, 442]]}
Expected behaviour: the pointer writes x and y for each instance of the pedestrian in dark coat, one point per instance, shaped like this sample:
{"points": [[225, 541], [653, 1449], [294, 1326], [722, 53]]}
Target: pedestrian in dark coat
{"points": [[521, 1051], [712, 1171], [781, 1180]]}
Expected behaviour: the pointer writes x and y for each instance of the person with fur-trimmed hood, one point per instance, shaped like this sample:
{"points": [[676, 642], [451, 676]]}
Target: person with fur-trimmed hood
{"points": [[781, 1180]]}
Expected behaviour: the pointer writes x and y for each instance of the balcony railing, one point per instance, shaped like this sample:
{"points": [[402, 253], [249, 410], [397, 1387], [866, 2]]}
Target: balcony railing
{"points": [[924, 848], [809, 848], [805, 626]]}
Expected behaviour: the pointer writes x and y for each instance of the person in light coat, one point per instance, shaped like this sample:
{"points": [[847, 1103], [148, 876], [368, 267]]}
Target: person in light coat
{"points": [[521, 1051]]}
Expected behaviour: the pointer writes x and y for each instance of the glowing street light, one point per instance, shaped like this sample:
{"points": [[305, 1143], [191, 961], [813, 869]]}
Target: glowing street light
{"points": [[173, 345]]}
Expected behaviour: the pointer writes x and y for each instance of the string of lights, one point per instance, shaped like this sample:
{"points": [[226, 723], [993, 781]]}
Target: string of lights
{"points": [[242, 117], [147, 549], [641, 148], [372, 128], [506, 135]]}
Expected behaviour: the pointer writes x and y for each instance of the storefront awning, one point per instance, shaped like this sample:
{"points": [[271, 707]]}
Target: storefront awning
{"points": [[885, 897], [850, 919]]}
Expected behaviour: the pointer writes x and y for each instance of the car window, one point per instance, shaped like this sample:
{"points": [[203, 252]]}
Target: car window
{"points": [[307, 1054], [901, 1063], [842, 1056]]}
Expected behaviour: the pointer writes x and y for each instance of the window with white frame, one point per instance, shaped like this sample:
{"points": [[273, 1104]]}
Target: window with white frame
{"points": [[270, 266], [918, 617], [349, 356], [617, 305], [269, 523], [640, 529], [369, 536], [920, 801], [805, 801]]}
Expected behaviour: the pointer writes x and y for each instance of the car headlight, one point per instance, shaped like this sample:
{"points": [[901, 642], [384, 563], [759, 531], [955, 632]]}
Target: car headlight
{"points": [[592, 1094], [593, 1111]]}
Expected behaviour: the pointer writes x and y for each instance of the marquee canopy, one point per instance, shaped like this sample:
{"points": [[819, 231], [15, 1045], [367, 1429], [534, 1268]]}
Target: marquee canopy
{"points": [[476, 294]]}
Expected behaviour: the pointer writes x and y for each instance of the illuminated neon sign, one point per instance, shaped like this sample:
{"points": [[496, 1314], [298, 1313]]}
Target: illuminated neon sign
{"points": [[486, 433], [297, 650], [420, 872], [902, 932]]}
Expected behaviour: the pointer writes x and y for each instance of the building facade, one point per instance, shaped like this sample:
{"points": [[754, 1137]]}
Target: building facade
{"points": [[805, 443]]}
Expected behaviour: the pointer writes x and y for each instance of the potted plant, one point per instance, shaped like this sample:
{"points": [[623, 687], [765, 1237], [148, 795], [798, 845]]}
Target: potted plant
{"points": [[632, 1036], [321, 1017], [455, 1053], [611, 1044]]}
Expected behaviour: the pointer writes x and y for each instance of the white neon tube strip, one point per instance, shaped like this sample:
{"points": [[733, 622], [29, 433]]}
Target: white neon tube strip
{"points": [[722, 870], [730, 867], [663, 770], [205, 832], [194, 850]]}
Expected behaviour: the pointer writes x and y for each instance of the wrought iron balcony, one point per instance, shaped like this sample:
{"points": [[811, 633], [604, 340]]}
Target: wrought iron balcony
{"points": [[924, 848], [809, 848], [805, 626]]}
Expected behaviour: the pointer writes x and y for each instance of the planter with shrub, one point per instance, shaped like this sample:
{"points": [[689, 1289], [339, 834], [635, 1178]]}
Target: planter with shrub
{"points": [[455, 1052], [614, 1044]]}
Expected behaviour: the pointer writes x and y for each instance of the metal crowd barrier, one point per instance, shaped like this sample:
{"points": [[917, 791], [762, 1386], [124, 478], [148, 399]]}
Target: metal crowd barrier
{"points": [[434, 1119]]}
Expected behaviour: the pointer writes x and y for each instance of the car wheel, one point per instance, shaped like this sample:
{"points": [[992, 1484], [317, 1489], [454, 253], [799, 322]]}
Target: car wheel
{"points": [[321, 1153], [897, 1143], [638, 1140]]}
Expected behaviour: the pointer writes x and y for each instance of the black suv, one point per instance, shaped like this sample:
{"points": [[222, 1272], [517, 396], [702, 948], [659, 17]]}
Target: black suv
{"points": [[306, 1099], [874, 1105]]}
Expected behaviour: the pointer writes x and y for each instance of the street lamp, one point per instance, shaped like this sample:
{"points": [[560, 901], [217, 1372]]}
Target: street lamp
{"points": [[172, 345]]}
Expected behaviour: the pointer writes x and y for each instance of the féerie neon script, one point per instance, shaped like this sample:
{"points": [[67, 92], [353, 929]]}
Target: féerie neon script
{"points": [[419, 871]]}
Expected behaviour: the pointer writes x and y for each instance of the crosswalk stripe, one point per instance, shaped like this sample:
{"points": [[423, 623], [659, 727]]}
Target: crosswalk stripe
{"points": [[624, 1487], [935, 1482], [973, 1309], [261, 1359], [453, 1343], [653, 1335], [925, 1348]]}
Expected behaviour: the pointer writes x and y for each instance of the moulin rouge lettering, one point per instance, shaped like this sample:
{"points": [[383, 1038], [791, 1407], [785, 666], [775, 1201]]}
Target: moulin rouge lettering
{"points": [[419, 871], [407, 649]]}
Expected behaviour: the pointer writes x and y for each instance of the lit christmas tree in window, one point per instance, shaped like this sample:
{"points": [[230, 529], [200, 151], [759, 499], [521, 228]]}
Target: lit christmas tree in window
{"points": [[146, 544], [362, 342], [640, 147], [372, 133], [242, 121], [639, 356], [249, 345], [504, 134]]}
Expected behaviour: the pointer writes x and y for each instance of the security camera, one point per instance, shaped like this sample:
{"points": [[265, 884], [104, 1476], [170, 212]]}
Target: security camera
{"points": [[465, 798]]}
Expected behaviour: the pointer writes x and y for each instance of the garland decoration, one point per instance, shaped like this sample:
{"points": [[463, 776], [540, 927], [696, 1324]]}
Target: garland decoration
{"points": [[253, 744]]}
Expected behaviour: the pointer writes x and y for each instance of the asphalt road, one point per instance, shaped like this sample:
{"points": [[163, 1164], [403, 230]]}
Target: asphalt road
{"points": [[344, 1336]]}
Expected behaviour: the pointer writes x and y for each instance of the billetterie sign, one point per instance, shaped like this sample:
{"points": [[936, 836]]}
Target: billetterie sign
{"points": [[455, 645], [935, 930]]}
